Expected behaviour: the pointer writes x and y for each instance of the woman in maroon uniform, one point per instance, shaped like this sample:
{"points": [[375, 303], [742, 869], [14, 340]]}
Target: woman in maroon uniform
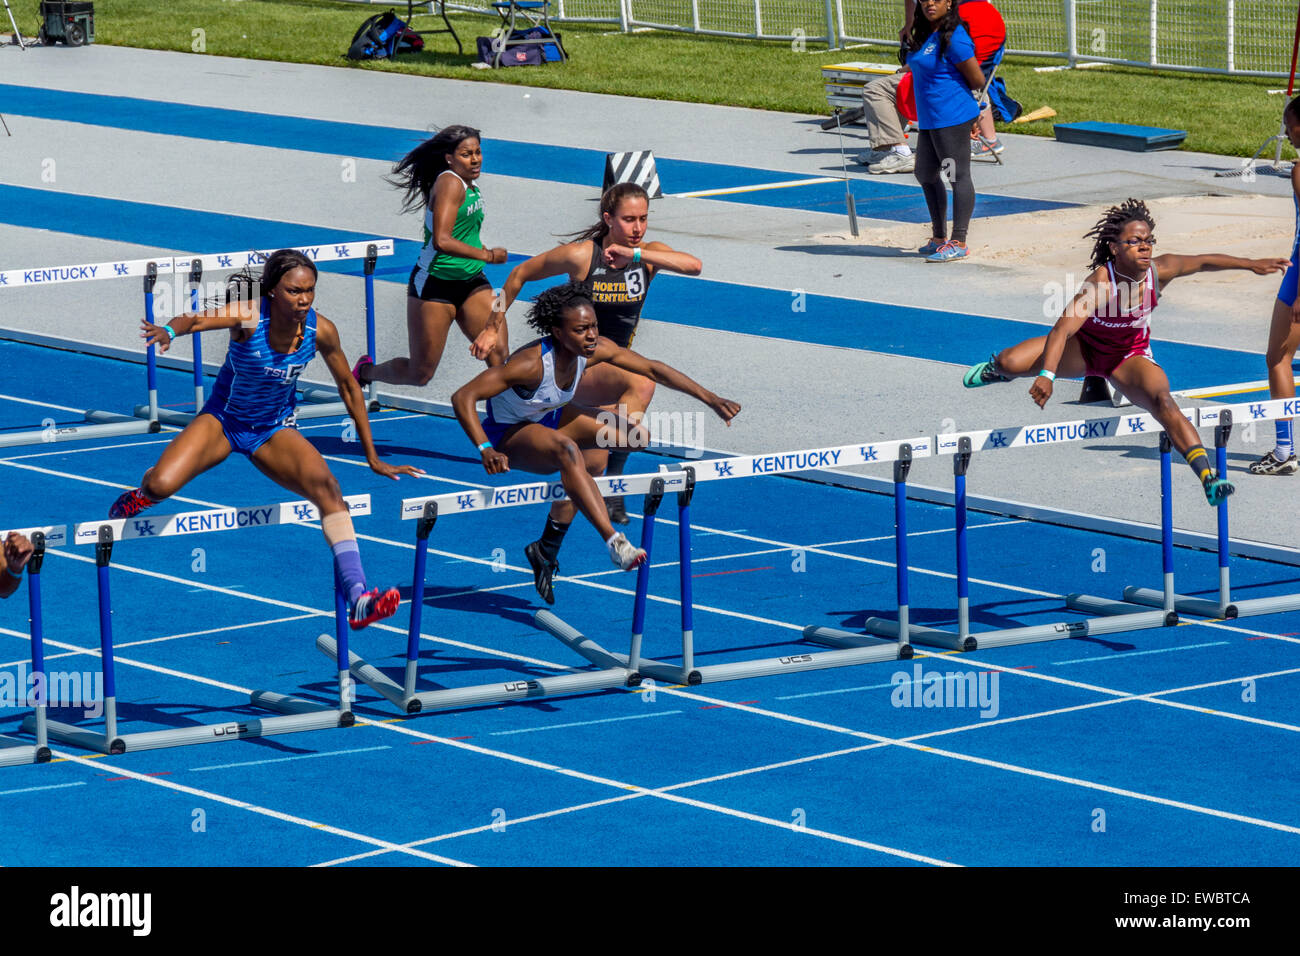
{"points": [[1105, 330]]}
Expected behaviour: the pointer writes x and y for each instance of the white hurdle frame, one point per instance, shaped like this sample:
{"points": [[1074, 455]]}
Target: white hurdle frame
{"points": [[317, 402], [296, 714]]}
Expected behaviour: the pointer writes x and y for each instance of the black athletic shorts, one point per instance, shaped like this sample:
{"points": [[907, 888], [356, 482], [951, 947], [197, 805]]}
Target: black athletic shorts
{"points": [[454, 291]]}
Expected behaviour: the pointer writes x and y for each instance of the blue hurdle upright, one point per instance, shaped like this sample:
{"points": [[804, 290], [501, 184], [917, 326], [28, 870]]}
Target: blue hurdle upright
{"points": [[848, 648], [612, 671], [1224, 607], [98, 423], [1110, 617], [295, 714], [317, 401], [13, 753]]}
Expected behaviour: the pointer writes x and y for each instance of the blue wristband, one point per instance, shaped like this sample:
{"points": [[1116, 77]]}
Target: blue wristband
{"points": [[636, 254], [171, 331], [1050, 376], [485, 446]]}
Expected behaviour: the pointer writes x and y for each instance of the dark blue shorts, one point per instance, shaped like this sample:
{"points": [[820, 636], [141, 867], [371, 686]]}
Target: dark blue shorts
{"points": [[243, 438], [496, 430], [1286, 294]]}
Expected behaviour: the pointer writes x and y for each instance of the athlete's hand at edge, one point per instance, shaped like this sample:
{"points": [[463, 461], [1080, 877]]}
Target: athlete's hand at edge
{"points": [[17, 551], [485, 342], [496, 256], [618, 256], [725, 407], [1041, 391], [1262, 267], [494, 462], [156, 335], [393, 471]]}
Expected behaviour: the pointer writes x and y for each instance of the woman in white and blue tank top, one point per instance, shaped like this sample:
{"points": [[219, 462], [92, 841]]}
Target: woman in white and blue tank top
{"points": [[1284, 329], [251, 411], [531, 424]]}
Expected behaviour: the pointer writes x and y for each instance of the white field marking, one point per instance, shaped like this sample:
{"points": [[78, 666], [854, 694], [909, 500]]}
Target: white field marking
{"points": [[28, 401], [487, 826], [167, 441], [1126, 654], [77, 451], [652, 792], [258, 763], [547, 814], [582, 723], [100, 766], [884, 741], [731, 190], [52, 786]]}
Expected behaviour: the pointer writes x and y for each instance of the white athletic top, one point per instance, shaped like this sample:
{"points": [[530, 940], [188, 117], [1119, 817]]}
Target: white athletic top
{"points": [[520, 405]]}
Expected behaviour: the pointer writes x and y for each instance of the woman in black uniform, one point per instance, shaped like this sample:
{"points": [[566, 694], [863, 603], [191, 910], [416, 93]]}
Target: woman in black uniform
{"points": [[614, 259]]}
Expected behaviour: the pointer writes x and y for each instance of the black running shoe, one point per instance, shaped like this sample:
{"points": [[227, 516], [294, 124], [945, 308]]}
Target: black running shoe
{"points": [[617, 510], [544, 570]]}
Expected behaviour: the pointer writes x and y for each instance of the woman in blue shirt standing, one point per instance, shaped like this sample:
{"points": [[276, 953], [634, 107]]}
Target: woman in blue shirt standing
{"points": [[947, 80]]}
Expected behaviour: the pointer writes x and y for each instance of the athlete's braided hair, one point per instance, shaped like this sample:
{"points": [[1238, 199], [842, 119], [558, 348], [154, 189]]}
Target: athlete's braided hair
{"points": [[549, 307], [1112, 224], [416, 172]]}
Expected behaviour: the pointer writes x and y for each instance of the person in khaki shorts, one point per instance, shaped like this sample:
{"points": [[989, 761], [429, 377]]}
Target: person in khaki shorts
{"points": [[889, 153]]}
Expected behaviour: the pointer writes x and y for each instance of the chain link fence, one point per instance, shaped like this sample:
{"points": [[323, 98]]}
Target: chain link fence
{"points": [[1240, 37]]}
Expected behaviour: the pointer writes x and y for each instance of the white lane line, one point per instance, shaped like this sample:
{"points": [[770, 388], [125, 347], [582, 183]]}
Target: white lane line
{"points": [[582, 723], [99, 766], [52, 786], [258, 763], [28, 401], [664, 795], [1124, 654]]}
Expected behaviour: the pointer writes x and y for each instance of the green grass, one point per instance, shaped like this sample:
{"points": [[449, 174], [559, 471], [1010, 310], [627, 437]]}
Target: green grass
{"points": [[1230, 116]]}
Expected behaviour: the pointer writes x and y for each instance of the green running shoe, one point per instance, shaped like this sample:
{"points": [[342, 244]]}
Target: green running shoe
{"points": [[1217, 491], [985, 373]]}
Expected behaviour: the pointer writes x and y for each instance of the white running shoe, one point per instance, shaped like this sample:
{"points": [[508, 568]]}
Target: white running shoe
{"points": [[623, 553], [1274, 464]]}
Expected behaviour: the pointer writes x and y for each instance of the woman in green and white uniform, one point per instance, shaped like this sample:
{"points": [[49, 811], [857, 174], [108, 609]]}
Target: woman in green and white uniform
{"points": [[447, 282]]}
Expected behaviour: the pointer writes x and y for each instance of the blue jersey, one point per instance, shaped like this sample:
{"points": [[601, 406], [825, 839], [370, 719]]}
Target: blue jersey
{"points": [[257, 385], [943, 98]]}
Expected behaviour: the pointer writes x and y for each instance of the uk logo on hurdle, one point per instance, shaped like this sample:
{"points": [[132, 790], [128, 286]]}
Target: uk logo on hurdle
{"points": [[634, 167]]}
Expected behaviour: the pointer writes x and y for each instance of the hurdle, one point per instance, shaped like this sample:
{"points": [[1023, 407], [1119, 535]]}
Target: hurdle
{"points": [[97, 423], [613, 670], [317, 401], [14, 753], [295, 714], [847, 647], [1221, 419], [1109, 617]]}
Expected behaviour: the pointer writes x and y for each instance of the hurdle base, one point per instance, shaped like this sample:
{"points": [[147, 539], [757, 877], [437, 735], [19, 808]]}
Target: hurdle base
{"points": [[1184, 604], [1115, 623], [14, 753], [864, 650], [108, 426], [1103, 606], [916, 634], [1267, 605], [316, 719], [319, 401], [167, 416], [499, 692]]}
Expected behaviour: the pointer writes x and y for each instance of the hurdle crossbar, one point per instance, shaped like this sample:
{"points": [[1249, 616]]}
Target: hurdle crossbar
{"points": [[294, 714], [613, 668], [316, 401], [96, 423], [12, 752], [1106, 616]]}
